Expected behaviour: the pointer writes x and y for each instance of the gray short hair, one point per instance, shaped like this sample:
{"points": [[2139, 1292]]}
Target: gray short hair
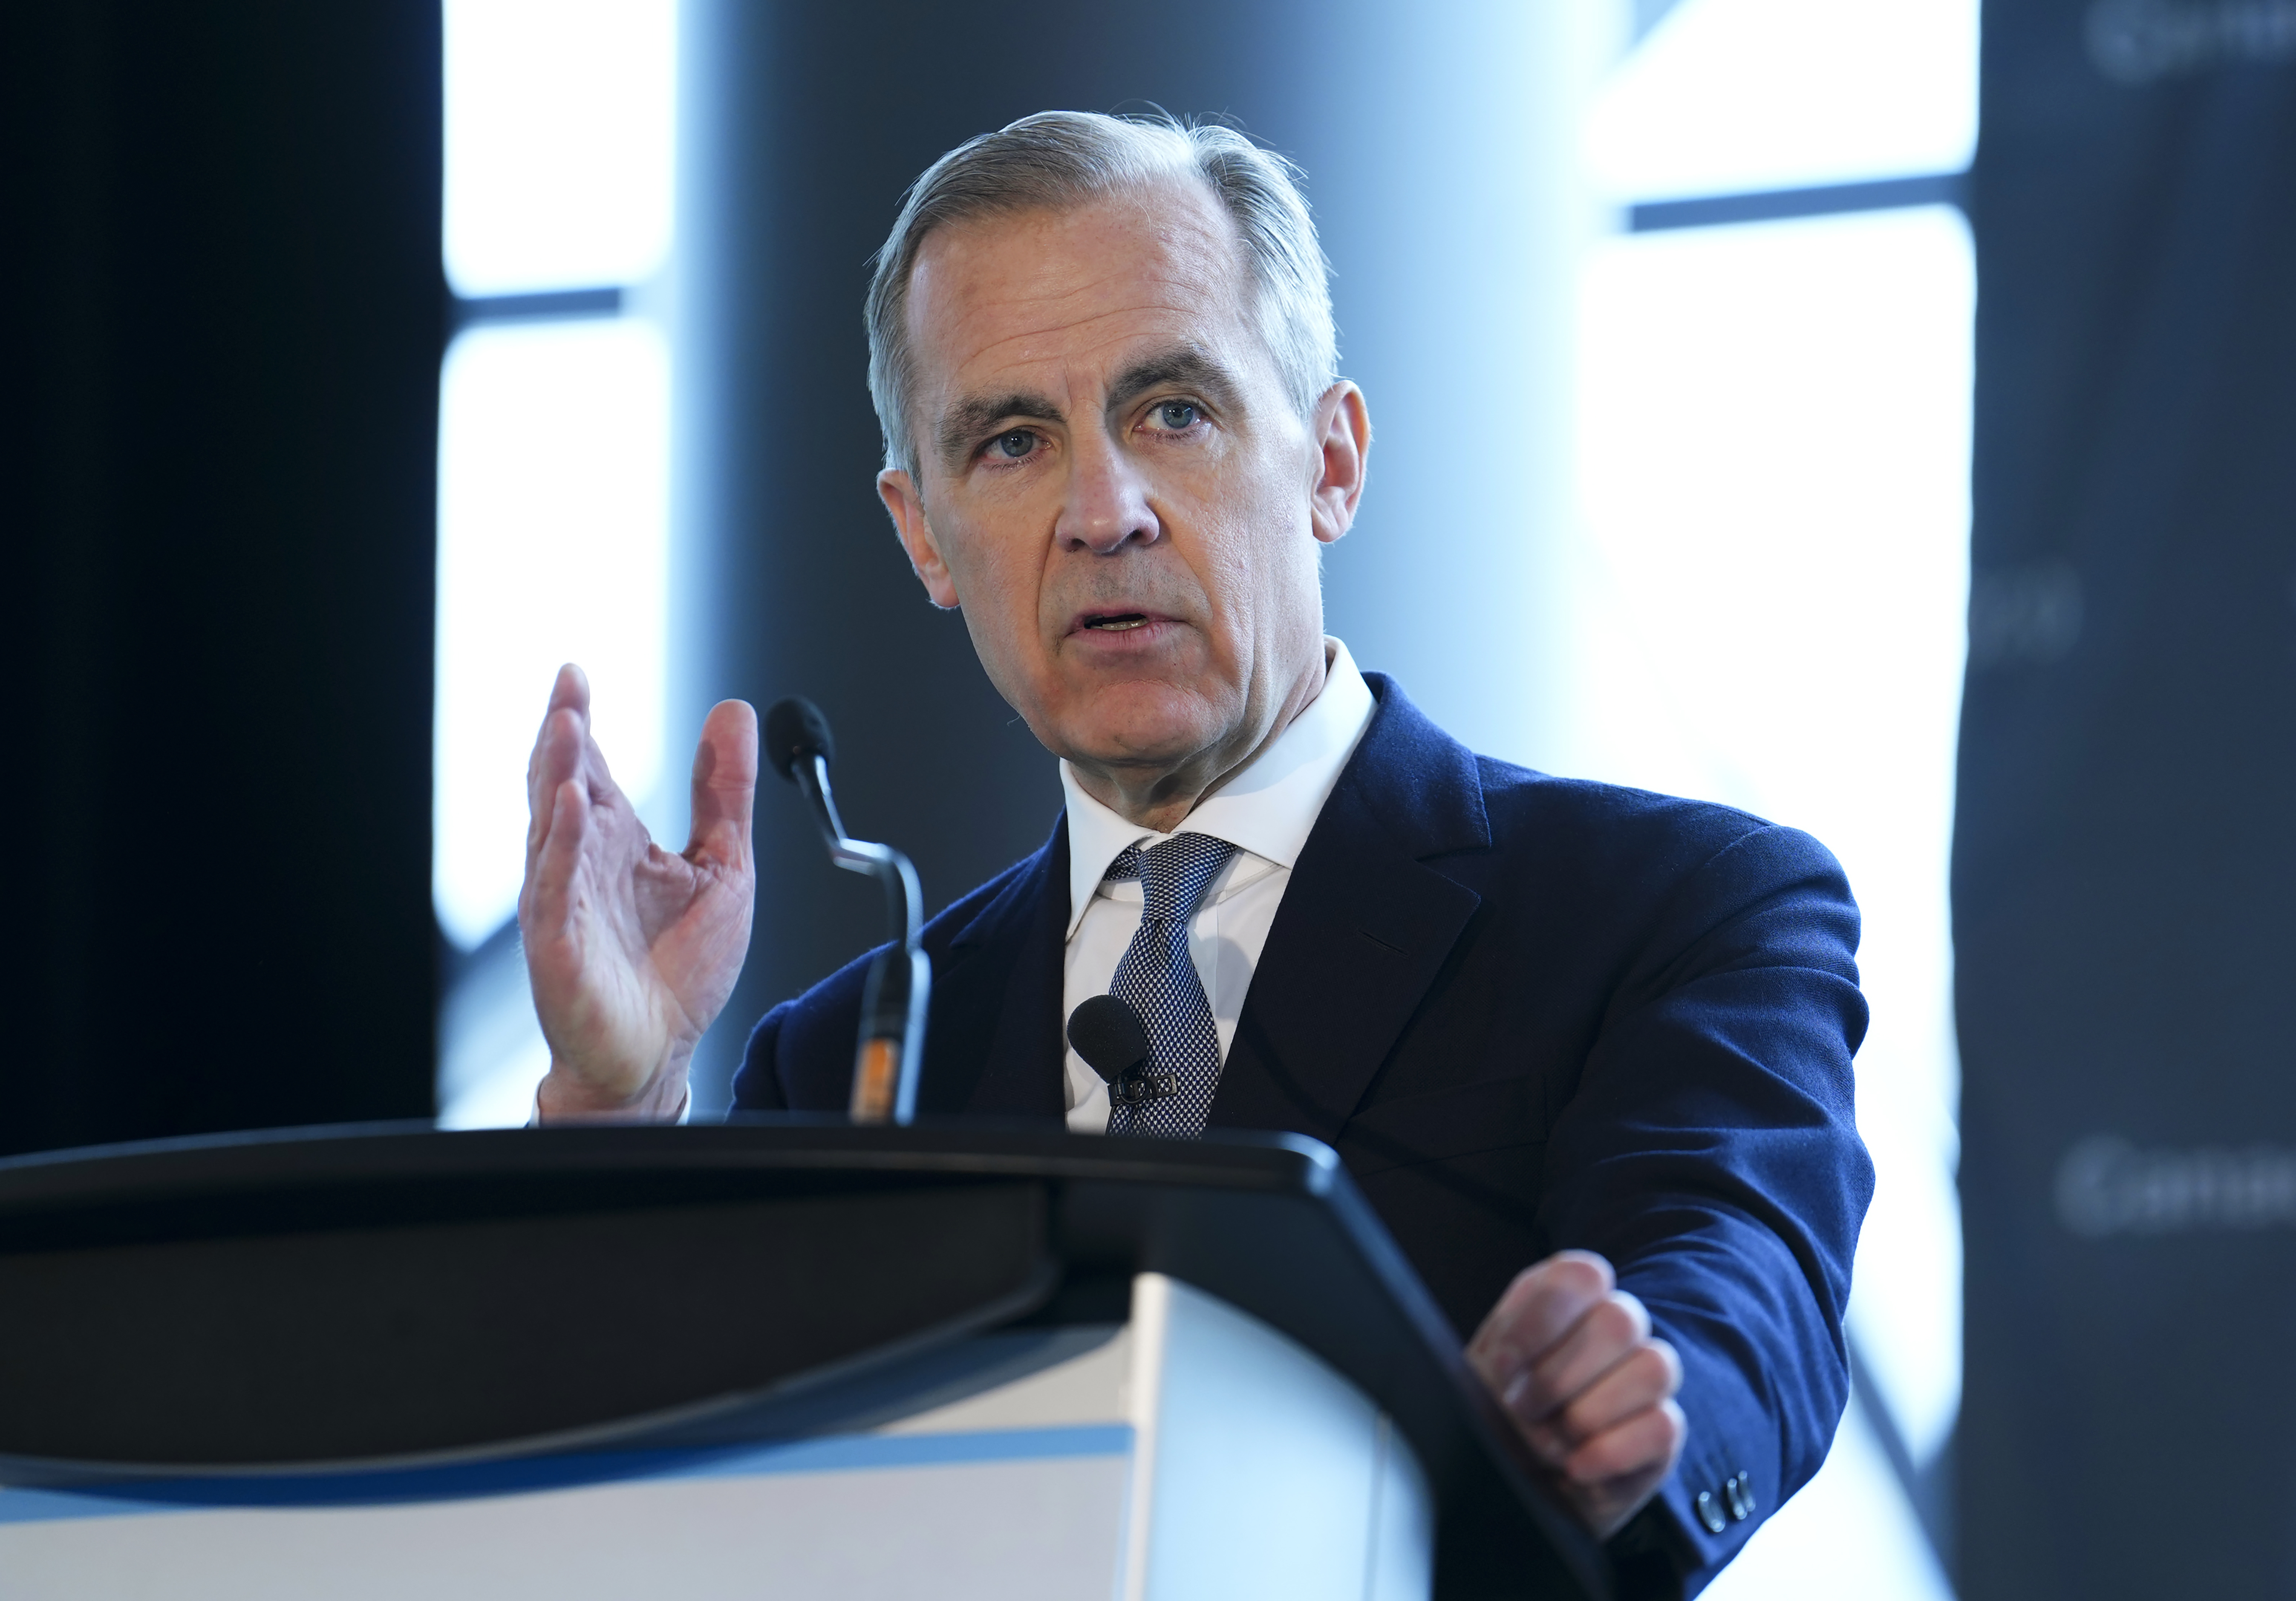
{"points": [[1058, 159]]}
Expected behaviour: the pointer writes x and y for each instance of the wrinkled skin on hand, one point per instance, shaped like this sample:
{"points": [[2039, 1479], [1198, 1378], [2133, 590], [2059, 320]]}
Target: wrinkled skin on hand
{"points": [[632, 951]]}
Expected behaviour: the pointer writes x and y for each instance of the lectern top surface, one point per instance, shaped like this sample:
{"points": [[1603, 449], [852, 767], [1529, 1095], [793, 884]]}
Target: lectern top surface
{"points": [[397, 1294]]}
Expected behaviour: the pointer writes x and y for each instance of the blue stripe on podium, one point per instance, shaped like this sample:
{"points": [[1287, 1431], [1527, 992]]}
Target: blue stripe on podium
{"points": [[840, 1453]]}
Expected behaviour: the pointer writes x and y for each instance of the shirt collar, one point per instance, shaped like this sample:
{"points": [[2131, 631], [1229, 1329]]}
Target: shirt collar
{"points": [[1267, 807]]}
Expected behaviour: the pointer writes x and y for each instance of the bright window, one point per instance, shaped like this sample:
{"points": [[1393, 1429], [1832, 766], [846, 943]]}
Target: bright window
{"points": [[1769, 596], [554, 466], [559, 143], [554, 496], [1732, 96]]}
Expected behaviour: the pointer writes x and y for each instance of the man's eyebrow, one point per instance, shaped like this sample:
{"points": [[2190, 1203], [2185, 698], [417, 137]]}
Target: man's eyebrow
{"points": [[1182, 367], [962, 425]]}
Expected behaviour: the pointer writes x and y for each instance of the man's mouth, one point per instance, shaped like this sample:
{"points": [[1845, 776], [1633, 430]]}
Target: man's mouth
{"points": [[1117, 622]]}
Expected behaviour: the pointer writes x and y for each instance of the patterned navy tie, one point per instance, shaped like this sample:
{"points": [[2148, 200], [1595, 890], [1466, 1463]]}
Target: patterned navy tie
{"points": [[1159, 979]]}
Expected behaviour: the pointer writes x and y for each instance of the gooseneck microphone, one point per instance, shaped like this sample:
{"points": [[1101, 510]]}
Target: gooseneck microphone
{"points": [[893, 1047], [1113, 1042]]}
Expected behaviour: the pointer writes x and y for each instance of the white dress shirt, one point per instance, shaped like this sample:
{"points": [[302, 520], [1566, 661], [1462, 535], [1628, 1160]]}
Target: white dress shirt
{"points": [[1266, 809]]}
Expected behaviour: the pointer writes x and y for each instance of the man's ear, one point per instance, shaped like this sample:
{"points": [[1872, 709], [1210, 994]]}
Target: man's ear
{"points": [[899, 491], [1343, 434]]}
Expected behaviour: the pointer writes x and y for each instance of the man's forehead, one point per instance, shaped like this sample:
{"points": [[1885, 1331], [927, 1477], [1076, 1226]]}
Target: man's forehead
{"points": [[1095, 286]]}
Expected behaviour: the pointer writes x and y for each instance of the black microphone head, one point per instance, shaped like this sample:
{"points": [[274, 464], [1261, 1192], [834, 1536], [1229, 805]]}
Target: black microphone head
{"points": [[795, 729], [1108, 1035]]}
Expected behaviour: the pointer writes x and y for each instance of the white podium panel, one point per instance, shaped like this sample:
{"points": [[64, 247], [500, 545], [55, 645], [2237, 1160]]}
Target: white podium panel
{"points": [[1192, 1454]]}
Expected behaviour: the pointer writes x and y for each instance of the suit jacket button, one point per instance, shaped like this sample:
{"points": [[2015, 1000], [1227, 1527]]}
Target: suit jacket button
{"points": [[1710, 1514], [1739, 1493]]}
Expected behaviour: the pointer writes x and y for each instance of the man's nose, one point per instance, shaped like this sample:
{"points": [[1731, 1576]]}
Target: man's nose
{"points": [[1107, 506]]}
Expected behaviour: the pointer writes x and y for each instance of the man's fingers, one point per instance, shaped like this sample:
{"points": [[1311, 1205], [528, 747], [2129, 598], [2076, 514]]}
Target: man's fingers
{"points": [[571, 690], [557, 757], [1539, 1308], [1643, 1446], [1644, 1376], [1612, 1328], [1571, 1359], [725, 785], [551, 885], [569, 718], [558, 749]]}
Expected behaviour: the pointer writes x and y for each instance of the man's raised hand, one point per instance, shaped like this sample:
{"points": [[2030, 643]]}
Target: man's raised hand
{"points": [[1572, 1360], [632, 951]]}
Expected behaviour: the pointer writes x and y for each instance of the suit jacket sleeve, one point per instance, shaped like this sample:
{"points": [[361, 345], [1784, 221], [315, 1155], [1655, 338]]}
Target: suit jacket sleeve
{"points": [[799, 1057], [1711, 1153], [757, 1087]]}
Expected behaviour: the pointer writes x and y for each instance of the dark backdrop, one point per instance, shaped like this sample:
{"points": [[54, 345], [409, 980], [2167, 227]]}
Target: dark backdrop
{"points": [[2125, 867], [222, 321]]}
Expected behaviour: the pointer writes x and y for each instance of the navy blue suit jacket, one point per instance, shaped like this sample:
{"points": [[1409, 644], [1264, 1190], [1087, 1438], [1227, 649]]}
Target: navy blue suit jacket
{"points": [[1529, 1013]]}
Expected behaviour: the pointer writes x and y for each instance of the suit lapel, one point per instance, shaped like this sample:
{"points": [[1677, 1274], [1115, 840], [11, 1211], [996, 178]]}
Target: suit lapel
{"points": [[1363, 930], [993, 1043]]}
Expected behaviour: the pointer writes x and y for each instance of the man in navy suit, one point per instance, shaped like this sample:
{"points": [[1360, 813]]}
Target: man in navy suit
{"points": [[1588, 1050]]}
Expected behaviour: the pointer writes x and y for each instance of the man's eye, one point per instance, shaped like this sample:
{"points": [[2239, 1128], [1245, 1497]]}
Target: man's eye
{"points": [[1176, 415], [1014, 445]]}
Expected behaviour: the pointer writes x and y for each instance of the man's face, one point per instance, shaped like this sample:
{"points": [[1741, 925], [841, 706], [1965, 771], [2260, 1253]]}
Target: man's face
{"points": [[1115, 486]]}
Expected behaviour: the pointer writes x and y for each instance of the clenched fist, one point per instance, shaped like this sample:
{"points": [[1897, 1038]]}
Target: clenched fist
{"points": [[1571, 1359]]}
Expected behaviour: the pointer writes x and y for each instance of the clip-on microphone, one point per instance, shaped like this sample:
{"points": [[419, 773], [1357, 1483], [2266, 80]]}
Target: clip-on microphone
{"points": [[892, 1046], [1111, 1038]]}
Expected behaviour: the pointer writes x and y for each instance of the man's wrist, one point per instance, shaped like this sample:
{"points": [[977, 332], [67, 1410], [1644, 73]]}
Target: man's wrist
{"points": [[563, 1096]]}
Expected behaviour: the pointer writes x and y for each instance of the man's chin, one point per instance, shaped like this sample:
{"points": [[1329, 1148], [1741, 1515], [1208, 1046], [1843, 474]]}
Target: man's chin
{"points": [[1137, 726]]}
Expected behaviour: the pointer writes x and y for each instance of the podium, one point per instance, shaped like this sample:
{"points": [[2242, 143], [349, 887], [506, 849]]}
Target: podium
{"points": [[786, 1359]]}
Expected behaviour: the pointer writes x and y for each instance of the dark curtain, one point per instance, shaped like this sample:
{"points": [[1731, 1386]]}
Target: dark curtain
{"points": [[222, 321], [2125, 864]]}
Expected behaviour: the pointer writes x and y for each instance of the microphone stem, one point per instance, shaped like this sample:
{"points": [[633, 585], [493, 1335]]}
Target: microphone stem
{"points": [[904, 899], [894, 997]]}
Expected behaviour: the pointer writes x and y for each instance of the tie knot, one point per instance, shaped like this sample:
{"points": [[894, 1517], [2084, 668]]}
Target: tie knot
{"points": [[1173, 875]]}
